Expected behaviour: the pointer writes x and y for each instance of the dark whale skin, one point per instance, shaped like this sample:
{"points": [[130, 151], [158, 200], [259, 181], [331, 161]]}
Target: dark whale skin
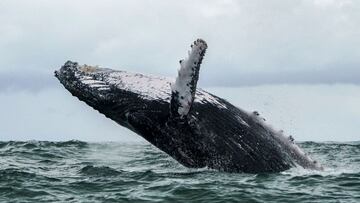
{"points": [[216, 134]]}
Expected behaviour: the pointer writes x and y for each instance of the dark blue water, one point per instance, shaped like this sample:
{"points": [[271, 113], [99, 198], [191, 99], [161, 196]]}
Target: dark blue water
{"points": [[76, 171]]}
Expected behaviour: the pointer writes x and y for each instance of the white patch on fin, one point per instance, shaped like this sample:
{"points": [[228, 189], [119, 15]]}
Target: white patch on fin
{"points": [[184, 87]]}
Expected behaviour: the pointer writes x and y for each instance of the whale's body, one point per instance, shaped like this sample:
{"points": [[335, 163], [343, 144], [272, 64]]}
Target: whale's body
{"points": [[217, 135], [213, 133]]}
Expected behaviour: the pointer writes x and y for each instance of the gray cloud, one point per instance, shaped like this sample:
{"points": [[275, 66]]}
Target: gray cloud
{"points": [[250, 42], [26, 81], [35, 82], [324, 76]]}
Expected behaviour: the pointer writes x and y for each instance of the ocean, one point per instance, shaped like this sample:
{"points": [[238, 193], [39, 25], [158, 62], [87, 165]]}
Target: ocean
{"points": [[76, 171]]}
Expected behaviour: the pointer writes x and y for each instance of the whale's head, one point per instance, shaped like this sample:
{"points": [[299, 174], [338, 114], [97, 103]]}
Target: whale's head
{"points": [[138, 102], [127, 98], [85, 82]]}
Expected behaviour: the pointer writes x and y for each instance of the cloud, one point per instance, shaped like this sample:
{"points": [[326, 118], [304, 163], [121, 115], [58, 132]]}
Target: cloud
{"points": [[250, 43], [26, 81], [322, 76], [35, 82], [283, 40]]}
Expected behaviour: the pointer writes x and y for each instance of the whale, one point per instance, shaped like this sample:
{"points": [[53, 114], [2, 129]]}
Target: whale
{"points": [[196, 128]]}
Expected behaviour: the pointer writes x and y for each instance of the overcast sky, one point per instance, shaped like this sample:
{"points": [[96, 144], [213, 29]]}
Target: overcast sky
{"points": [[251, 43]]}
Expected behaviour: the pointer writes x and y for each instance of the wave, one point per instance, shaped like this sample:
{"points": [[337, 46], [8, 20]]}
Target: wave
{"points": [[99, 171], [76, 171], [43, 144]]}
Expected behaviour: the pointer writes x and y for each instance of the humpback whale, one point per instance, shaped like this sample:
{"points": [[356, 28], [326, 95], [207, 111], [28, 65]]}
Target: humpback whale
{"points": [[193, 126]]}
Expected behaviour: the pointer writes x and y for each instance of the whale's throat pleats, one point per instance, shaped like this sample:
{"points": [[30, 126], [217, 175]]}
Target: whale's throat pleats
{"points": [[184, 88]]}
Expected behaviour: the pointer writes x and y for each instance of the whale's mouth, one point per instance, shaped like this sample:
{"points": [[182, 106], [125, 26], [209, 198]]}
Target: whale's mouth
{"points": [[72, 75], [85, 82]]}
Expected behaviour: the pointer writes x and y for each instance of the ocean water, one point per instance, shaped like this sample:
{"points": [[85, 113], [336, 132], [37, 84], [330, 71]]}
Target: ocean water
{"points": [[76, 171]]}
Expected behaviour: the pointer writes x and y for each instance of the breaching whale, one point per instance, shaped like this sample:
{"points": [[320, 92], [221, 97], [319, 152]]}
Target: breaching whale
{"points": [[195, 127]]}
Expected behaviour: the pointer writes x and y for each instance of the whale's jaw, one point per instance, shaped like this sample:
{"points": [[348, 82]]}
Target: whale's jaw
{"points": [[81, 83]]}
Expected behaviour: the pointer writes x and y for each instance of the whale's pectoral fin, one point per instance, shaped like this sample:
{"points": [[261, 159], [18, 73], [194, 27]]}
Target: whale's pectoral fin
{"points": [[184, 88]]}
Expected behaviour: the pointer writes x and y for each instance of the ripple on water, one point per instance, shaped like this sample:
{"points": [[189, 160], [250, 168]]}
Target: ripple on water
{"points": [[99, 171], [76, 171]]}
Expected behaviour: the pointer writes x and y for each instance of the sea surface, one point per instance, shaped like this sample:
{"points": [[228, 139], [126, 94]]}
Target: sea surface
{"points": [[76, 171]]}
